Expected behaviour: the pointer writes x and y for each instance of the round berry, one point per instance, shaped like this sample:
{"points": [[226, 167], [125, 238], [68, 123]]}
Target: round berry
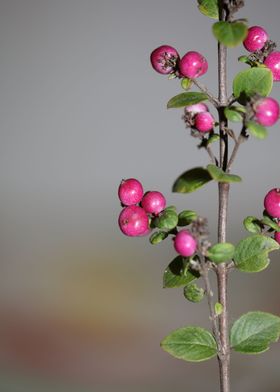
{"points": [[204, 122], [272, 202], [133, 221], [153, 202], [196, 108], [130, 192], [267, 111], [277, 236], [184, 243], [256, 38], [164, 59], [192, 65], [273, 63]]}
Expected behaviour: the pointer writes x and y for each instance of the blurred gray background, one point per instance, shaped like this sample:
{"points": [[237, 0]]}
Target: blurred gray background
{"points": [[81, 306]]}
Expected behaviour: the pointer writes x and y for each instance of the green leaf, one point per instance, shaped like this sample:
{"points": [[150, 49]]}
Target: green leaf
{"points": [[253, 332], [252, 224], [186, 83], [186, 99], [270, 223], [193, 344], [157, 237], [252, 81], [219, 175], [186, 217], [209, 8], [167, 219], [251, 253], [218, 308], [256, 130], [191, 180], [233, 115], [220, 253], [176, 274], [244, 59], [193, 293], [230, 34], [213, 138]]}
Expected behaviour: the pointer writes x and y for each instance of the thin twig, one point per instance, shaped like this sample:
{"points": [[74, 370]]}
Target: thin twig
{"points": [[211, 155], [238, 142], [205, 90]]}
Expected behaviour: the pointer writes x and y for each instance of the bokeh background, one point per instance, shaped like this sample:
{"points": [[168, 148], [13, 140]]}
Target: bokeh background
{"points": [[82, 307]]}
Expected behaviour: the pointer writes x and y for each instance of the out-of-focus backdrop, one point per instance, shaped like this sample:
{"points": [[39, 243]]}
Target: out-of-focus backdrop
{"points": [[82, 307]]}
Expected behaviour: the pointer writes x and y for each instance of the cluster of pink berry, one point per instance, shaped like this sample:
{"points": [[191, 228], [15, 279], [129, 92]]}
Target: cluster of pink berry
{"points": [[272, 207], [256, 40], [139, 210], [198, 117]]}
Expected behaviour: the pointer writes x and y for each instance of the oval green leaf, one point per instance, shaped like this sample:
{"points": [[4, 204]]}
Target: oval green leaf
{"points": [[270, 223], [209, 8], [233, 115], [251, 253], [253, 332], [186, 217], [219, 175], [191, 180], [230, 34], [186, 83], [252, 224], [193, 344], [256, 130], [186, 99], [252, 81], [158, 237], [167, 219], [218, 308], [220, 253], [193, 293], [176, 274]]}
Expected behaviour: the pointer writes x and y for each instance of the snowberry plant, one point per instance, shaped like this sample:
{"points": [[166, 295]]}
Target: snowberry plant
{"points": [[249, 105]]}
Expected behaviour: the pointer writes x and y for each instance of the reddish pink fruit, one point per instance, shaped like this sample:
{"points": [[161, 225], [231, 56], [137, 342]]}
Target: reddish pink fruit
{"points": [[196, 108], [192, 65], [256, 38], [204, 122], [164, 59], [267, 111], [185, 244], [130, 191], [133, 221], [153, 202], [277, 236], [273, 63], [272, 202]]}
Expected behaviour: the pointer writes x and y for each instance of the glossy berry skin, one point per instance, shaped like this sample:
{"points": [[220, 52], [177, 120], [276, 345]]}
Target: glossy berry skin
{"points": [[204, 122], [185, 244], [277, 236], [256, 38], [273, 63], [267, 111], [196, 108], [133, 221], [272, 202], [164, 59], [153, 202], [192, 65], [130, 192]]}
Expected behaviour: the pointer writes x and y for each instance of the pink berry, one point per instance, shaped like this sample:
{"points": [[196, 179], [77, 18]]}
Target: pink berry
{"points": [[277, 236], [153, 202], [130, 191], [196, 108], [256, 38], [267, 111], [184, 243], [133, 221], [273, 63], [192, 65], [164, 59], [204, 122], [272, 202]]}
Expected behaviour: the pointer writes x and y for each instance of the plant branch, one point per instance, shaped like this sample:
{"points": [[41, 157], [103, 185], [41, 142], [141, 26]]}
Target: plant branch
{"points": [[211, 155], [238, 142], [205, 90]]}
